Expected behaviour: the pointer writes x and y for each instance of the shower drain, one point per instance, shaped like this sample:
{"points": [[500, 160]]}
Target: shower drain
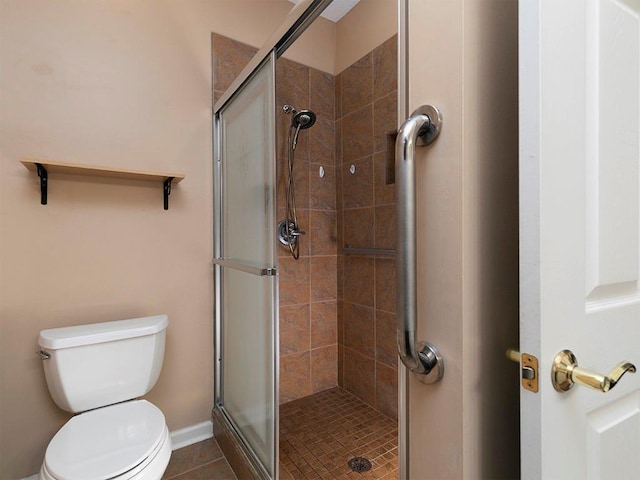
{"points": [[359, 464]]}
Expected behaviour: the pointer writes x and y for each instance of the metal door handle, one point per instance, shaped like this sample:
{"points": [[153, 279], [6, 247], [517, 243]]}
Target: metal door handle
{"points": [[421, 358], [565, 372]]}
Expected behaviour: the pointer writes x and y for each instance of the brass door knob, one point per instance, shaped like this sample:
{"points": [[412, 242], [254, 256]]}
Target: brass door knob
{"points": [[565, 372]]}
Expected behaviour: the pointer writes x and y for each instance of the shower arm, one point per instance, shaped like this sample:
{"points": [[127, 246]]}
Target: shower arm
{"points": [[421, 358]]}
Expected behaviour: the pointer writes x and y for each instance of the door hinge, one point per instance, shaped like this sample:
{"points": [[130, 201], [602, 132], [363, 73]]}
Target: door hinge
{"points": [[529, 369]]}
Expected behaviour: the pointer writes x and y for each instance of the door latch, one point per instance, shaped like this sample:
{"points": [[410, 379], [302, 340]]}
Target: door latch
{"points": [[529, 369]]}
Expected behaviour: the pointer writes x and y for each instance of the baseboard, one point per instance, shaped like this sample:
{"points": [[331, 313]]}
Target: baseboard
{"points": [[190, 435]]}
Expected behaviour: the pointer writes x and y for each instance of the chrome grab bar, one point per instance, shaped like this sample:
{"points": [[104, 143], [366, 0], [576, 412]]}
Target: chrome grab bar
{"points": [[421, 358]]}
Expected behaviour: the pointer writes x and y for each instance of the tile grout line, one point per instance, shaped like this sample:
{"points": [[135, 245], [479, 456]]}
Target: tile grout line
{"points": [[197, 467]]}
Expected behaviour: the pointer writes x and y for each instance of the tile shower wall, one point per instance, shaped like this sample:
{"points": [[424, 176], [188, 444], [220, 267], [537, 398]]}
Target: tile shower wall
{"points": [[366, 119], [308, 290], [337, 312], [229, 58]]}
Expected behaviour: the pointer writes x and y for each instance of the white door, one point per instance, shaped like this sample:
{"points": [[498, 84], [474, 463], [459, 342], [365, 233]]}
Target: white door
{"points": [[579, 232]]}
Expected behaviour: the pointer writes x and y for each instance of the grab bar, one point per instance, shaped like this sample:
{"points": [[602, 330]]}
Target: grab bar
{"points": [[421, 358]]}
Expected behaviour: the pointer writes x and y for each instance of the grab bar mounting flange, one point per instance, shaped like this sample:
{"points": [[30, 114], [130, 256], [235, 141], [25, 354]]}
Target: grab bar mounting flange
{"points": [[431, 130]]}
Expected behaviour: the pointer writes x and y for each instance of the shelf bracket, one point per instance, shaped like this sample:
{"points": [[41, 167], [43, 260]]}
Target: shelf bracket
{"points": [[44, 180], [167, 191]]}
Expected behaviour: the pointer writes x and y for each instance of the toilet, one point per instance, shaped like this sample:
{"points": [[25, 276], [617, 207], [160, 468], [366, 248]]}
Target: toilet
{"points": [[98, 372]]}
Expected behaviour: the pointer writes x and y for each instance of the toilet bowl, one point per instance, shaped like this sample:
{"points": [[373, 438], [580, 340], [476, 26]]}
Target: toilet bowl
{"points": [[125, 441], [100, 370]]}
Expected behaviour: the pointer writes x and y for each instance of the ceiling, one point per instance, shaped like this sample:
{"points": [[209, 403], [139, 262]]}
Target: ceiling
{"points": [[336, 9]]}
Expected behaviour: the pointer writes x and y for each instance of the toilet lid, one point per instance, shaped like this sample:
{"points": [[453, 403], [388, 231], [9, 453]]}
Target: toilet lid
{"points": [[105, 442]]}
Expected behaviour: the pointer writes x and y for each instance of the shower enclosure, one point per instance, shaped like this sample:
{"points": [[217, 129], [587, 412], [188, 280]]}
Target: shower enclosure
{"points": [[321, 262], [245, 255], [244, 261], [305, 267]]}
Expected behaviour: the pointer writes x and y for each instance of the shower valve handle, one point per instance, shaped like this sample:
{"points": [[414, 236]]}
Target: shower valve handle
{"points": [[421, 358]]}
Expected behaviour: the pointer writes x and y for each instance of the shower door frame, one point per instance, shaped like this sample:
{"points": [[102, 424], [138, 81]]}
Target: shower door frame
{"points": [[221, 262], [299, 18]]}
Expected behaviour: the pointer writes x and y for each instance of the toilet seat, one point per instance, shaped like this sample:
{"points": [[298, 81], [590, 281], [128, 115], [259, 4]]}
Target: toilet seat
{"points": [[109, 442]]}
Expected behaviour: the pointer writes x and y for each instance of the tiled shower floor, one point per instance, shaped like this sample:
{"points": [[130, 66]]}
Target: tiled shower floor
{"points": [[320, 433]]}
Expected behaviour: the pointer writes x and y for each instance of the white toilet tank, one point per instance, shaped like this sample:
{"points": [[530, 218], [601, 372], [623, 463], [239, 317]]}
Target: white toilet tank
{"points": [[95, 365]]}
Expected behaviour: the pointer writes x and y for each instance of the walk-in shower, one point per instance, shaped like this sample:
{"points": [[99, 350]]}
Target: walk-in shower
{"points": [[289, 232], [314, 312]]}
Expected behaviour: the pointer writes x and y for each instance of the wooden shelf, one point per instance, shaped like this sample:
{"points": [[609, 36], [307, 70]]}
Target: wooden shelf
{"points": [[44, 167], [95, 171]]}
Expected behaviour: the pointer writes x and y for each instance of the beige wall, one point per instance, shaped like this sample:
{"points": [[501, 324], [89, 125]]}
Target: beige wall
{"points": [[123, 84], [463, 59], [316, 47], [366, 26]]}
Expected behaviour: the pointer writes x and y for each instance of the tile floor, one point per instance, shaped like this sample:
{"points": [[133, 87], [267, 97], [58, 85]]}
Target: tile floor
{"points": [[318, 435], [321, 432], [200, 461]]}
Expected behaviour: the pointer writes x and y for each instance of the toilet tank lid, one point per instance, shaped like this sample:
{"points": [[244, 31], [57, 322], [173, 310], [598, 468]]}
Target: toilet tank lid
{"points": [[66, 337]]}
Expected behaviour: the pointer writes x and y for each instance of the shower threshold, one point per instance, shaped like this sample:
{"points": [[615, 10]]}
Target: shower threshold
{"points": [[321, 433]]}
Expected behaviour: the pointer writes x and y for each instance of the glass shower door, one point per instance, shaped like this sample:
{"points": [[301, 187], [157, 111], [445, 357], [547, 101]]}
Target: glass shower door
{"points": [[246, 288]]}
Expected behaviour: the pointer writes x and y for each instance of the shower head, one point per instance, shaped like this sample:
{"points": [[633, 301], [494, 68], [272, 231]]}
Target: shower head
{"points": [[303, 119]]}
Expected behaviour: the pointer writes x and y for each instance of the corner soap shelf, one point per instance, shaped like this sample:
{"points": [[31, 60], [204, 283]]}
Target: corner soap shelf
{"points": [[43, 167]]}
